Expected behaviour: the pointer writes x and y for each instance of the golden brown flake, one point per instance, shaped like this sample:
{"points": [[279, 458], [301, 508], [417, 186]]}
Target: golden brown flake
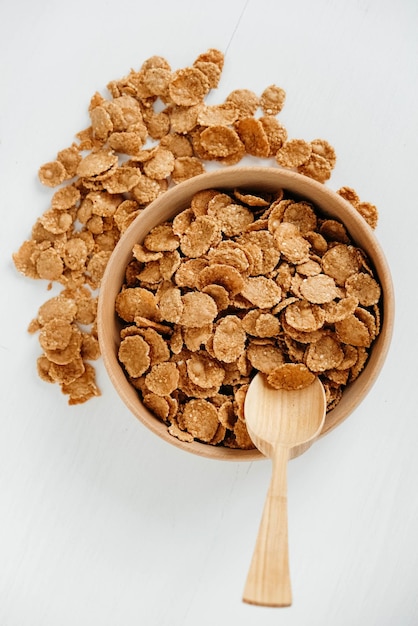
{"points": [[229, 339], [245, 101], [290, 376], [186, 167], [272, 100], [293, 153], [253, 136], [221, 141], [134, 355], [52, 174], [200, 419], [188, 86], [162, 379]]}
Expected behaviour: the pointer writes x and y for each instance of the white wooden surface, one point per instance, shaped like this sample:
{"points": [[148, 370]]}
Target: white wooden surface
{"points": [[102, 524]]}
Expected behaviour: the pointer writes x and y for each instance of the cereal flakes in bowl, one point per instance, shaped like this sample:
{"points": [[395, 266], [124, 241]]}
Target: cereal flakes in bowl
{"points": [[238, 271]]}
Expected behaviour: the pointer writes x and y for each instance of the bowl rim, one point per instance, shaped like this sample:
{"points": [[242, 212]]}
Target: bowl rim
{"points": [[228, 178]]}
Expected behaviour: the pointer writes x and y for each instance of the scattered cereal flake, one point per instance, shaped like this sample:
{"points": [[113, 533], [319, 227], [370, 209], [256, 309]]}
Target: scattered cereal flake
{"points": [[304, 316], [24, 259], [272, 100], [128, 142], [183, 119], [146, 190], [75, 254], [65, 198], [334, 231], [101, 123], [58, 307], [122, 180], [162, 379], [294, 153], [97, 164], [275, 132], [161, 238], [70, 352], [175, 431], [82, 388], [56, 222], [186, 167], [302, 215], [261, 291], [66, 374], [199, 236], [316, 167], [352, 331], [224, 275], [245, 100], [43, 366], [324, 354], [229, 339], [195, 338], [369, 212], [171, 305], [319, 289], [198, 309], [52, 174], [232, 218], [217, 115], [189, 271], [90, 349], [96, 267], [349, 194], [178, 144], [158, 124], [221, 141], [341, 262], [204, 371], [55, 334], [200, 419], [134, 355], [49, 265], [363, 287], [212, 55], [242, 439], [69, 158], [211, 71], [188, 86], [290, 376], [264, 357], [291, 244], [338, 310], [157, 404], [324, 149], [160, 165], [253, 136], [135, 302]]}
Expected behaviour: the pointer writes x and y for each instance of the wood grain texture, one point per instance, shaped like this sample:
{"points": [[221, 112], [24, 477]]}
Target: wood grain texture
{"points": [[278, 421]]}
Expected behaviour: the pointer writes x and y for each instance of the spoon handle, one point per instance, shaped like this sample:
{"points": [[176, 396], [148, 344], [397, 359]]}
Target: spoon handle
{"points": [[268, 579]]}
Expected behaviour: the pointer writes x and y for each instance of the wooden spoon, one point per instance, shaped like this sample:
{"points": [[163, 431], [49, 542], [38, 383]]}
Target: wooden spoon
{"points": [[282, 424]]}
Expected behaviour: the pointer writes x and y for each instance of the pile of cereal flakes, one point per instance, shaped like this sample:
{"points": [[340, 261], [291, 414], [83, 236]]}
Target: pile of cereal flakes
{"points": [[153, 130], [235, 284]]}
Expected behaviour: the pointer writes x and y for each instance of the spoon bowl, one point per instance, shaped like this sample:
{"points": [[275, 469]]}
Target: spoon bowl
{"points": [[282, 424]]}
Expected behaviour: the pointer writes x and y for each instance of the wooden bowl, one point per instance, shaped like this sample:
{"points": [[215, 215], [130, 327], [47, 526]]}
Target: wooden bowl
{"points": [[175, 200]]}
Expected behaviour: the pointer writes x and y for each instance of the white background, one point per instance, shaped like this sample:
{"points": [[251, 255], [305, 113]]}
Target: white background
{"points": [[100, 522]]}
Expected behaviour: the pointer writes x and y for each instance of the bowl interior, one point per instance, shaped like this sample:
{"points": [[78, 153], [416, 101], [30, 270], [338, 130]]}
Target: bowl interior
{"points": [[175, 200]]}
